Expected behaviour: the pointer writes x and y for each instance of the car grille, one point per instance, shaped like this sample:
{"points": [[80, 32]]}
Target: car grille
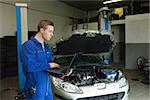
{"points": [[115, 96]]}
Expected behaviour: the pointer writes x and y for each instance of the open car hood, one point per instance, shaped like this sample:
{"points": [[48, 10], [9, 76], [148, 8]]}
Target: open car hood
{"points": [[86, 43]]}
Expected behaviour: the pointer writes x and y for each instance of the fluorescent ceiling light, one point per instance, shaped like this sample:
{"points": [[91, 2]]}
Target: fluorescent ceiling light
{"points": [[111, 1]]}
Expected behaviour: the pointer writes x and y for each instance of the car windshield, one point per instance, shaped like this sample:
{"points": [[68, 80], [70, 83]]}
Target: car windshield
{"points": [[80, 59]]}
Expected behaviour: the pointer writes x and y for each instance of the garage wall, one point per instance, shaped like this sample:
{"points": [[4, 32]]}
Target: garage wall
{"points": [[89, 26], [56, 11], [137, 38], [7, 20], [93, 13]]}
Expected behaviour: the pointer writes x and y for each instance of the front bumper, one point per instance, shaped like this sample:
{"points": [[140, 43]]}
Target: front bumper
{"points": [[112, 91]]}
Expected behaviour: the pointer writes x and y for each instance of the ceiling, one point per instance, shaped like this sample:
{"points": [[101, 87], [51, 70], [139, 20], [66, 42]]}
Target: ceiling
{"points": [[89, 5], [84, 5]]}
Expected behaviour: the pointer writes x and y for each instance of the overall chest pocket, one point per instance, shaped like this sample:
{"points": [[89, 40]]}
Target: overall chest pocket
{"points": [[41, 56]]}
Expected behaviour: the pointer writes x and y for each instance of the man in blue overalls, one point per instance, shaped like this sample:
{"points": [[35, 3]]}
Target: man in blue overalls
{"points": [[36, 58]]}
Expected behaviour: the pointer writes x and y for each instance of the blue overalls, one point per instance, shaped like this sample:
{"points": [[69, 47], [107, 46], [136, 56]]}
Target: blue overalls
{"points": [[35, 61]]}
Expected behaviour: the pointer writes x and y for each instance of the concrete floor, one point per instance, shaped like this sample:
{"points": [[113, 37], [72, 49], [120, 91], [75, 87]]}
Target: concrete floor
{"points": [[138, 90]]}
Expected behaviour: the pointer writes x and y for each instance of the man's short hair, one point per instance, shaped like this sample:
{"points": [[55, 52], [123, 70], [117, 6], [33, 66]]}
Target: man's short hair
{"points": [[44, 24]]}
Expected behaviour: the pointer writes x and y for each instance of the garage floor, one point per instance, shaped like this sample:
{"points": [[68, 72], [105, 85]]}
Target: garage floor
{"points": [[138, 90]]}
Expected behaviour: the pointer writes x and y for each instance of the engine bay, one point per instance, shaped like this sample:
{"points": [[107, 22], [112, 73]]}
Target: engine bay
{"points": [[91, 74]]}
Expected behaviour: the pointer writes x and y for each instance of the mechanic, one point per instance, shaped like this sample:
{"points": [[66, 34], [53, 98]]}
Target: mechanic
{"points": [[36, 58]]}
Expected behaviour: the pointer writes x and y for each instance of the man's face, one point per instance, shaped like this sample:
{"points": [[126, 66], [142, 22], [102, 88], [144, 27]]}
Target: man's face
{"points": [[48, 33]]}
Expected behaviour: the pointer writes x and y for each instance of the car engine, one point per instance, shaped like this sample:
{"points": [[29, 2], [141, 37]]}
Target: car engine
{"points": [[91, 74]]}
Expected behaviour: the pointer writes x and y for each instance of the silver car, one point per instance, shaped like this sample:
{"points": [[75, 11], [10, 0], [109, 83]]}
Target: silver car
{"points": [[86, 74]]}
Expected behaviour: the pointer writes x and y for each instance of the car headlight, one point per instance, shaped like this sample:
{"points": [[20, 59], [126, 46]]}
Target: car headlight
{"points": [[122, 81], [66, 86]]}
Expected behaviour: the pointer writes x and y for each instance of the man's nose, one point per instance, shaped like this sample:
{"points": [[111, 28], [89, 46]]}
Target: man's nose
{"points": [[52, 34]]}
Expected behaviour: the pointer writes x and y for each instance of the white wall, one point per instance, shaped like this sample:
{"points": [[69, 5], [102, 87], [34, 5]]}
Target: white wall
{"points": [[56, 11], [91, 26], [93, 13], [137, 33], [7, 20], [138, 28]]}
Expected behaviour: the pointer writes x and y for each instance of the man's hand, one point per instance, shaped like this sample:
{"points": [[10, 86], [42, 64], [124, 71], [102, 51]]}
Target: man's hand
{"points": [[54, 65], [62, 77]]}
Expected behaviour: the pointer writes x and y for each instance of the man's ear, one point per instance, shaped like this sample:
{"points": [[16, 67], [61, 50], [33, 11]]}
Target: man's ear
{"points": [[42, 30]]}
